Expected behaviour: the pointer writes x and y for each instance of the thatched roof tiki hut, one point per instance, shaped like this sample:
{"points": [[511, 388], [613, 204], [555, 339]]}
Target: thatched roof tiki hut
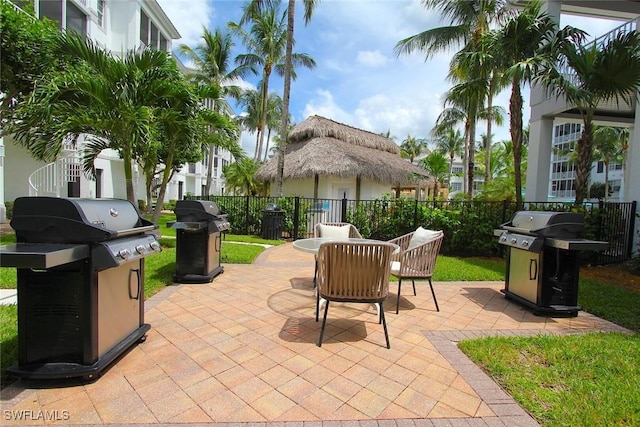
{"points": [[327, 159]]}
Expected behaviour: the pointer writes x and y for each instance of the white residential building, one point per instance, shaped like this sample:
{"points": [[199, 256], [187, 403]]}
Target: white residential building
{"points": [[117, 26]]}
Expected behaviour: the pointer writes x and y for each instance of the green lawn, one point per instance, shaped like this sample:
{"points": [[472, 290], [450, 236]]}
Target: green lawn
{"points": [[580, 380]]}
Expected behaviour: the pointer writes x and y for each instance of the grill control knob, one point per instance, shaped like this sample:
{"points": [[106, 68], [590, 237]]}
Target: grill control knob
{"points": [[514, 240], [154, 245], [503, 238], [124, 253], [140, 249], [525, 243]]}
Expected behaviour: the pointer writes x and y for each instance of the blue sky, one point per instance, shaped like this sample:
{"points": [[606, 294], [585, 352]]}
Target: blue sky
{"points": [[358, 80]]}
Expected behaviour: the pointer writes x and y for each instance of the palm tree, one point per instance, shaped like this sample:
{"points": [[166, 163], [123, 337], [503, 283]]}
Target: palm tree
{"points": [[436, 165], [469, 20], [468, 96], [610, 72], [239, 177], [449, 118], [412, 147], [524, 43], [266, 43], [450, 142], [274, 112], [609, 146], [115, 101], [251, 101], [289, 74], [212, 62]]}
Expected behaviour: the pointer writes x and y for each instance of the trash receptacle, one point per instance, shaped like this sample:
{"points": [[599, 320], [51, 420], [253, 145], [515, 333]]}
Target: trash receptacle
{"points": [[272, 222]]}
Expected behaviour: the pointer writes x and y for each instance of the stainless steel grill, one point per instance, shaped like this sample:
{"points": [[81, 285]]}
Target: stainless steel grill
{"points": [[199, 225], [80, 271], [543, 259]]}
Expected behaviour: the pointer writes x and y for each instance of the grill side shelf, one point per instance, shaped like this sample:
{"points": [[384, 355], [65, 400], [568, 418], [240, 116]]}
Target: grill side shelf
{"points": [[41, 255], [578, 244]]}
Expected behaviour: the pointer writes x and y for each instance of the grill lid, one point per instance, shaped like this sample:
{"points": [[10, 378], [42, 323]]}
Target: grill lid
{"points": [[197, 210], [73, 220], [546, 224], [199, 214]]}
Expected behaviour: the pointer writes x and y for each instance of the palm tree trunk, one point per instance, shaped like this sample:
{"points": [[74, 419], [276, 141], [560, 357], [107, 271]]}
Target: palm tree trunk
{"points": [[583, 165], [128, 176], [471, 157], [207, 188], [166, 176], [263, 112], [515, 113], [266, 146], [606, 181], [284, 122], [487, 154]]}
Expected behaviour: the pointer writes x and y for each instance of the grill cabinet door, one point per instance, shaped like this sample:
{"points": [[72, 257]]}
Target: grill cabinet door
{"points": [[120, 302], [524, 272]]}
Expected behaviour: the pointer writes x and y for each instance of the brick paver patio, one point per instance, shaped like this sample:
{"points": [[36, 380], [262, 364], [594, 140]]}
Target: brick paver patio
{"points": [[242, 349]]}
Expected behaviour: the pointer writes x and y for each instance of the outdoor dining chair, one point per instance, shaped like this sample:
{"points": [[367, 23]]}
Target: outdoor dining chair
{"points": [[355, 273], [416, 259], [334, 230]]}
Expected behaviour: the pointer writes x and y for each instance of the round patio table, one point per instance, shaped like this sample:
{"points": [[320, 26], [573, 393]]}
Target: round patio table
{"points": [[312, 245]]}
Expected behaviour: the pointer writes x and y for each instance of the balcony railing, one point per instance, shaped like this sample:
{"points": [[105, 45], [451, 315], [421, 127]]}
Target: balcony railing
{"points": [[600, 42]]}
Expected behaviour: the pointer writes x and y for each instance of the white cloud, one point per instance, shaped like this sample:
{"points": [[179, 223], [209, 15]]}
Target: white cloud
{"points": [[372, 58], [325, 106], [189, 17]]}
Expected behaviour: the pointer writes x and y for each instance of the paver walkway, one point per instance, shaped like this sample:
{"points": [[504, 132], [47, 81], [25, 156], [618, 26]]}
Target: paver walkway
{"points": [[242, 349]]}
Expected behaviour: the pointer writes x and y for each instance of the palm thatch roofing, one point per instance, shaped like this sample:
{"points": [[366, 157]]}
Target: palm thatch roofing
{"points": [[320, 146]]}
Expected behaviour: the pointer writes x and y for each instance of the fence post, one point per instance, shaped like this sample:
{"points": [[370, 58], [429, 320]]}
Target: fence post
{"points": [[504, 211], [296, 216], [632, 225], [415, 213], [246, 215], [343, 212]]}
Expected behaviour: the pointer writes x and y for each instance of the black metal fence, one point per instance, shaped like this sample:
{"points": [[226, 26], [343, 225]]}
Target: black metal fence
{"points": [[468, 225]]}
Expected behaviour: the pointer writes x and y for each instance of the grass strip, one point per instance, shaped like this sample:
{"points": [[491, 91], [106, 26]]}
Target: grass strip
{"points": [[589, 379]]}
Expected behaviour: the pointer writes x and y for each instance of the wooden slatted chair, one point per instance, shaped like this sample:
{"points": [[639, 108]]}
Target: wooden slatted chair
{"points": [[356, 273], [335, 230], [416, 259]]}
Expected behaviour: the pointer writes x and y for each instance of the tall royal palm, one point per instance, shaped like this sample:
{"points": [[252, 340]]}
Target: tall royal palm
{"points": [[526, 42], [597, 74], [266, 45], [469, 21], [309, 8], [213, 65]]}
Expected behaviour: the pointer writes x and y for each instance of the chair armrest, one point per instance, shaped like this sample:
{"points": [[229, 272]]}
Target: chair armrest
{"points": [[420, 260], [402, 242]]}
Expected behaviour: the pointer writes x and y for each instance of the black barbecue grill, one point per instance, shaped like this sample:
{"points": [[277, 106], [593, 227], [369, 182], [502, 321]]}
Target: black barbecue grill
{"points": [[199, 224], [80, 265], [543, 259]]}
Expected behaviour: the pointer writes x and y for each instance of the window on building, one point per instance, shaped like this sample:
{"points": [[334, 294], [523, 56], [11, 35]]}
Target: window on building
{"points": [[456, 186], [155, 36], [144, 28], [615, 166], [600, 167], [192, 168], [76, 20], [164, 43], [51, 10], [100, 11]]}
